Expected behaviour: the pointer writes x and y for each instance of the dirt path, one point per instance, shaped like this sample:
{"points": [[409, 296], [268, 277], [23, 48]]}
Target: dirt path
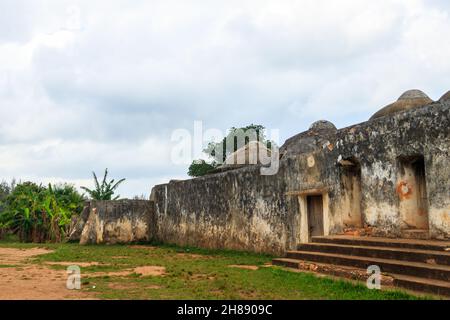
{"points": [[20, 280]]}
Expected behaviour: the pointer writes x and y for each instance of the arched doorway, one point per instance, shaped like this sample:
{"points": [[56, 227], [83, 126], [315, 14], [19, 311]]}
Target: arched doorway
{"points": [[412, 193], [350, 172]]}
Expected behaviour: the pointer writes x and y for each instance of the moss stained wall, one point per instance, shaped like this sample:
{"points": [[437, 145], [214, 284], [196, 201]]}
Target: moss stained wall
{"points": [[110, 222], [244, 210]]}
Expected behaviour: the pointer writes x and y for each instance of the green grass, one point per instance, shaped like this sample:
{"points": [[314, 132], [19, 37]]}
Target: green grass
{"points": [[206, 275]]}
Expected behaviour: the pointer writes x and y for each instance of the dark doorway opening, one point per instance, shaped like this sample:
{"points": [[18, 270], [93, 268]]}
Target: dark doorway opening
{"points": [[351, 193], [412, 192], [315, 215]]}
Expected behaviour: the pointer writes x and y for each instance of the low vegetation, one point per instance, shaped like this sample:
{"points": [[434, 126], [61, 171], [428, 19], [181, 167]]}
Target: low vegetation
{"points": [[112, 272], [37, 213], [200, 168]]}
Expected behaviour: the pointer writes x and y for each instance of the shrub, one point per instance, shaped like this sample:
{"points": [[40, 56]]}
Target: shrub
{"points": [[38, 214], [5, 190], [200, 168]]}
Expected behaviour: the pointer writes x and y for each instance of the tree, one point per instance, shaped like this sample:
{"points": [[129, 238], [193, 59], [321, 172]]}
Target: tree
{"points": [[236, 138], [38, 214], [105, 190], [5, 190], [200, 168], [220, 151]]}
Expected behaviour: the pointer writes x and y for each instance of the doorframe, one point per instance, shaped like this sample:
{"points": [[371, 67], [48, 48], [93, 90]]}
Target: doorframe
{"points": [[303, 206], [351, 168], [409, 160]]}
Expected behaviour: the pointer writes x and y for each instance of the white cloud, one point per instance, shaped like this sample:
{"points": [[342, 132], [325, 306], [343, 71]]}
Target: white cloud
{"points": [[89, 84]]}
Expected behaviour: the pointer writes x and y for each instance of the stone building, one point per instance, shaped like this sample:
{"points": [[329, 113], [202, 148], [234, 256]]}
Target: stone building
{"points": [[385, 177], [373, 194]]}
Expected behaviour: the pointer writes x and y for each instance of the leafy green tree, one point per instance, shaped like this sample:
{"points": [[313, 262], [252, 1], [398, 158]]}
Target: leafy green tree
{"points": [[105, 190], [229, 144], [22, 207], [69, 197], [200, 168], [5, 190], [220, 151], [38, 214], [60, 203]]}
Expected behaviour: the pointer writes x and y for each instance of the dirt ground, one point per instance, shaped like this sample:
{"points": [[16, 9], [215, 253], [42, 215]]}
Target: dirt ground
{"points": [[22, 281]]}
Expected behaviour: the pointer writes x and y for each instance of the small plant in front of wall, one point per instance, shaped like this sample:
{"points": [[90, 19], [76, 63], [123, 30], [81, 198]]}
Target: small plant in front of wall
{"points": [[105, 190], [40, 214]]}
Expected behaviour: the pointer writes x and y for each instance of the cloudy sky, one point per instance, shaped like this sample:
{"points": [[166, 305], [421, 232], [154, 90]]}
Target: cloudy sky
{"points": [[86, 85]]}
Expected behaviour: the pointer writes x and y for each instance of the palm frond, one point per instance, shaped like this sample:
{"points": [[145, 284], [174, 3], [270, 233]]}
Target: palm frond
{"points": [[105, 190]]}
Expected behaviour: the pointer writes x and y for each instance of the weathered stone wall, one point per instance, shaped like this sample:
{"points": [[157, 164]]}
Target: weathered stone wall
{"points": [[237, 210], [380, 145], [242, 209], [111, 222], [366, 175]]}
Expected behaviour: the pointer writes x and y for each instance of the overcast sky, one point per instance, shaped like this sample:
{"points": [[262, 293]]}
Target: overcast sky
{"points": [[86, 85]]}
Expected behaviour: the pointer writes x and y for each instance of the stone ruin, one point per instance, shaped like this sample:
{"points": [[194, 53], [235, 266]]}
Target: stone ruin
{"points": [[386, 177]]}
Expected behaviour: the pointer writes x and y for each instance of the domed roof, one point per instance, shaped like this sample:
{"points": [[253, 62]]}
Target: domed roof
{"points": [[413, 94], [409, 100], [319, 133], [250, 154], [322, 125], [445, 97]]}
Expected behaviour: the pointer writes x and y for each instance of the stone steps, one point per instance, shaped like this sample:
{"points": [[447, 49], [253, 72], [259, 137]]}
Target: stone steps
{"points": [[414, 255], [385, 242], [416, 234], [425, 285], [418, 269], [419, 265]]}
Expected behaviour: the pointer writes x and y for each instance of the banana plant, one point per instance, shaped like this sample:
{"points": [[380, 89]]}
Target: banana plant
{"points": [[41, 214], [105, 190]]}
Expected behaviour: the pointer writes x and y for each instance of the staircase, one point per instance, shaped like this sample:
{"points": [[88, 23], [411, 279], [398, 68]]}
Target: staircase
{"points": [[419, 265]]}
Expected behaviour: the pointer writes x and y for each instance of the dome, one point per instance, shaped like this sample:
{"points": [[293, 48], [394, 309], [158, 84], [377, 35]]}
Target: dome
{"points": [[319, 133], [445, 97], [322, 125], [413, 94], [249, 154], [411, 99]]}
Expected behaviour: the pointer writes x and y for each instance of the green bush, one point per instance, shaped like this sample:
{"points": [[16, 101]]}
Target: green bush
{"points": [[200, 168], [39, 214], [5, 189]]}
